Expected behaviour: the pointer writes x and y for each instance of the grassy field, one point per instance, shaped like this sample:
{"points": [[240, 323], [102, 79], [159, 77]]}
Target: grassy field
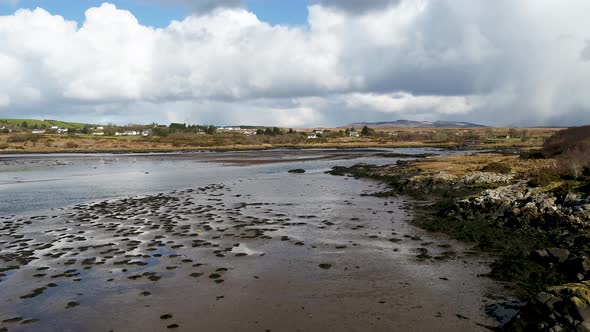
{"points": [[48, 123], [486, 138]]}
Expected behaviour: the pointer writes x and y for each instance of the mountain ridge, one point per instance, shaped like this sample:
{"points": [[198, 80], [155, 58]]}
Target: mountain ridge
{"points": [[415, 124]]}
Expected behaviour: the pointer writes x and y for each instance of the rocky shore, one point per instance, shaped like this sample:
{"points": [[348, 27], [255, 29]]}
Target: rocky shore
{"points": [[539, 235]]}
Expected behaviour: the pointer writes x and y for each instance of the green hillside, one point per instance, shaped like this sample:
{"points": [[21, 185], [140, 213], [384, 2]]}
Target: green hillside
{"points": [[40, 123]]}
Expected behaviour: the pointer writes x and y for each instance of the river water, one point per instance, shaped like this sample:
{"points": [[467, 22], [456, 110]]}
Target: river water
{"points": [[224, 242]]}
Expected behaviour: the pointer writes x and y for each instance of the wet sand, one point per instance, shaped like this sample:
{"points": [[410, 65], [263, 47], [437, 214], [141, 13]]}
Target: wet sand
{"points": [[283, 252]]}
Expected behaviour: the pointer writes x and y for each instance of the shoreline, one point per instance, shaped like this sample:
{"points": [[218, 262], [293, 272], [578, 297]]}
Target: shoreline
{"points": [[540, 252]]}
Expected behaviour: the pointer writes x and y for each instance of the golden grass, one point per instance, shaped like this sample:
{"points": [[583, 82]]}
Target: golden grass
{"points": [[87, 143], [461, 165]]}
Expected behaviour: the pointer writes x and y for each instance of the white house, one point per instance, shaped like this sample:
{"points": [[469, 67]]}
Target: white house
{"points": [[318, 132], [38, 131], [62, 130], [354, 133], [128, 133], [54, 128], [312, 136], [98, 133]]}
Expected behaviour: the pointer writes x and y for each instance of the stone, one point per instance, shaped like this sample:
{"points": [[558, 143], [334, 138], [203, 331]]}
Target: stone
{"points": [[558, 254], [540, 255], [581, 308], [297, 170], [543, 297], [584, 326]]}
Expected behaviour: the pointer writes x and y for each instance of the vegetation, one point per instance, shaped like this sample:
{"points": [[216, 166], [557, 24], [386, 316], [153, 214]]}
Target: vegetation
{"points": [[496, 167], [30, 123], [15, 135]]}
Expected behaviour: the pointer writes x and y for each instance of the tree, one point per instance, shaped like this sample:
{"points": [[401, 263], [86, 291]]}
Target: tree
{"points": [[366, 131], [210, 130], [86, 129], [24, 124]]}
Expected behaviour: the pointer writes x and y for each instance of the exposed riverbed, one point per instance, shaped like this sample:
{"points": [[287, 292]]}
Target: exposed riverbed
{"points": [[224, 242]]}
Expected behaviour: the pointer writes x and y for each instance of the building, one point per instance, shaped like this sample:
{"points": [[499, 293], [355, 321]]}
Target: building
{"points": [[62, 130], [354, 133], [312, 136], [38, 131]]}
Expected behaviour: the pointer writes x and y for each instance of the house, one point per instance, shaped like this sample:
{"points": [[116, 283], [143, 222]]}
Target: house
{"points": [[354, 133], [38, 131], [62, 130], [318, 132], [146, 133], [312, 136], [99, 128], [128, 133], [98, 133], [54, 128]]}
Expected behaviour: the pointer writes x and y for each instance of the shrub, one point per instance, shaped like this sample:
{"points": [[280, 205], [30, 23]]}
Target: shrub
{"points": [[496, 167], [3, 145], [19, 138], [71, 145]]}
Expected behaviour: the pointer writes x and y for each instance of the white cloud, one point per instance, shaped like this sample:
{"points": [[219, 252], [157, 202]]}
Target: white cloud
{"points": [[496, 62]]}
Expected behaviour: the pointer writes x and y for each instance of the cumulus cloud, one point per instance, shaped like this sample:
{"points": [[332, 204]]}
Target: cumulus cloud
{"points": [[426, 59]]}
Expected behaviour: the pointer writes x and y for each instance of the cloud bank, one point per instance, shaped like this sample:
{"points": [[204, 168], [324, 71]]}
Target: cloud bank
{"points": [[496, 62]]}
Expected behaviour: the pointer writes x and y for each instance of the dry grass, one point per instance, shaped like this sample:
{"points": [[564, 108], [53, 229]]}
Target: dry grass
{"points": [[461, 165], [408, 137]]}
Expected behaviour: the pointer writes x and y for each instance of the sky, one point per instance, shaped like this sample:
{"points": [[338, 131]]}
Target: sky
{"points": [[296, 63]]}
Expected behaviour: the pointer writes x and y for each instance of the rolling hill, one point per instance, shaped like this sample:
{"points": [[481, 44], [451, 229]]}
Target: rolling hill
{"points": [[40, 123]]}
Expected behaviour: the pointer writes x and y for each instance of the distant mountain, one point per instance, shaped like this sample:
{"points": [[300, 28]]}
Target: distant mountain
{"points": [[415, 124]]}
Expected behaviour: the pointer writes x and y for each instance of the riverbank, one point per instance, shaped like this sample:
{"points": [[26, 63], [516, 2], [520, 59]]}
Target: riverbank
{"points": [[539, 233]]}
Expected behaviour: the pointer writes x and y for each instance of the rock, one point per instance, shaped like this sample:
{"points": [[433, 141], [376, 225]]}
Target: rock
{"points": [[581, 308], [543, 297], [297, 170], [540, 255], [577, 265], [558, 254], [584, 326]]}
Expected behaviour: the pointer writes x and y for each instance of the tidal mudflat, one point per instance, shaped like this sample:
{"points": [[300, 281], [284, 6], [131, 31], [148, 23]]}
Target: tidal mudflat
{"points": [[224, 242]]}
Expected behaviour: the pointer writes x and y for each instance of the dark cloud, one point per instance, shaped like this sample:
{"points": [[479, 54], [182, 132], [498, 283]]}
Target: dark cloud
{"points": [[585, 55], [200, 6], [358, 6]]}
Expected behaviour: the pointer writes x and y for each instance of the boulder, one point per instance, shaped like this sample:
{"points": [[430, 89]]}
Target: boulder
{"points": [[558, 255], [540, 255], [584, 326], [581, 308], [297, 170]]}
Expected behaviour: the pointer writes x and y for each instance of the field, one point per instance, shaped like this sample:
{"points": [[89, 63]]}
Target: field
{"points": [[484, 138], [39, 123]]}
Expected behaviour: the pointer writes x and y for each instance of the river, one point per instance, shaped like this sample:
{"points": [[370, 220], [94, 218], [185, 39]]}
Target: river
{"points": [[225, 242]]}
